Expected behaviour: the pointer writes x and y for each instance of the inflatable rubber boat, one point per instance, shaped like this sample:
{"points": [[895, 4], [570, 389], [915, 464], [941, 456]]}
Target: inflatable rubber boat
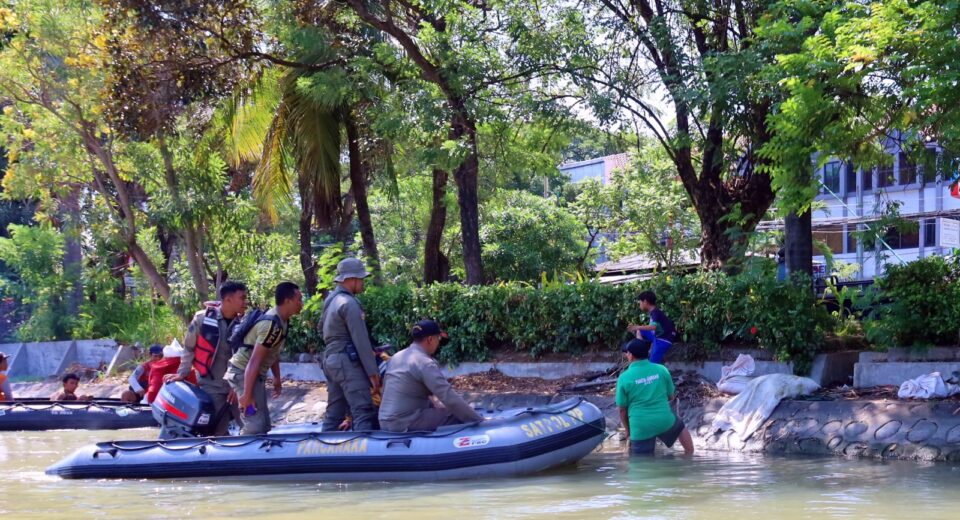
{"points": [[508, 443], [99, 414]]}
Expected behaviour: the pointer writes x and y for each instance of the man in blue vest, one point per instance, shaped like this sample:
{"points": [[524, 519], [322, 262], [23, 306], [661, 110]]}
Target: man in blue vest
{"points": [[206, 350]]}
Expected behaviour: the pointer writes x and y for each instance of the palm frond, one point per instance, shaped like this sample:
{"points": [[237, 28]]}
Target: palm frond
{"points": [[273, 180]]}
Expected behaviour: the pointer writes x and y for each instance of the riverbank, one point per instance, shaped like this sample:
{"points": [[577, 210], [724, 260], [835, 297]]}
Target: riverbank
{"points": [[843, 422]]}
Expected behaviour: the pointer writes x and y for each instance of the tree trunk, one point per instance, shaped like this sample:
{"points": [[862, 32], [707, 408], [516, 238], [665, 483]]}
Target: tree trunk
{"points": [[467, 175], [123, 206], [191, 238], [307, 264], [327, 212], [72, 253], [358, 186], [435, 266], [715, 242], [150, 271], [798, 250]]}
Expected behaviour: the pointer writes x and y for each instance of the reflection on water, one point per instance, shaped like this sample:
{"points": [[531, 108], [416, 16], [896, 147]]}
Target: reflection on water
{"points": [[604, 485]]}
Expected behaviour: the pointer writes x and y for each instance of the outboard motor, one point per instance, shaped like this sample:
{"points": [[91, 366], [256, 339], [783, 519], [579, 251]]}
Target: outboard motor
{"points": [[183, 410]]}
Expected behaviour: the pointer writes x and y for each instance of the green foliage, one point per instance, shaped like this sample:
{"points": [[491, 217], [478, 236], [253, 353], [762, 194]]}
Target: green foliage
{"points": [[709, 308], [852, 72], [33, 256], [525, 235], [645, 205], [924, 304]]}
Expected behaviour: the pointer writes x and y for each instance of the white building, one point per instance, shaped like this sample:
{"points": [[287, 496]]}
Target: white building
{"points": [[853, 196], [600, 168]]}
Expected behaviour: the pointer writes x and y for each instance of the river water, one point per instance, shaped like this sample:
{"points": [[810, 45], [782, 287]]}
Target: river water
{"points": [[604, 485]]}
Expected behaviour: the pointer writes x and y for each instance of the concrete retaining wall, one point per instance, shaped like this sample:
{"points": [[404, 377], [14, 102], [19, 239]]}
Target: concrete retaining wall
{"points": [[52, 358], [874, 429], [711, 370], [828, 369], [898, 365]]}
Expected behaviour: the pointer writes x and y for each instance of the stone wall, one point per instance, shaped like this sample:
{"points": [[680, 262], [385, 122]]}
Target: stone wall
{"points": [[874, 429]]}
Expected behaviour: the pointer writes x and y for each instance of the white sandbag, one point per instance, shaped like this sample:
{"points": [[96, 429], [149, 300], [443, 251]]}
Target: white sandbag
{"points": [[746, 412], [734, 378], [173, 349], [734, 385], [927, 386]]}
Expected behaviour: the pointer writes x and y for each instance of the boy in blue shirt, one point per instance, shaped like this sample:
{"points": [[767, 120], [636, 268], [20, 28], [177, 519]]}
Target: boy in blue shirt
{"points": [[660, 332], [644, 392]]}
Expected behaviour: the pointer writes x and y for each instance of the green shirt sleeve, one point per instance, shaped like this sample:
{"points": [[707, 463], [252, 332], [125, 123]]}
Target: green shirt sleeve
{"points": [[621, 393], [668, 381]]}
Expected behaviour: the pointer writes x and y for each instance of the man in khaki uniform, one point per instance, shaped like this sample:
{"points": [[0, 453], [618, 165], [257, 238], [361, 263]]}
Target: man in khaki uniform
{"points": [[413, 378], [259, 354], [349, 364], [206, 350]]}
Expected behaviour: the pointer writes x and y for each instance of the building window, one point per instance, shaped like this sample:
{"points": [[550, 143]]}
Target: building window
{"points": [[908, 170], [885, 176], [851, 178], [930, 232], [907, 239], [851, 239], [929, 165], [832, 236], [868, 179], [831, 178]]}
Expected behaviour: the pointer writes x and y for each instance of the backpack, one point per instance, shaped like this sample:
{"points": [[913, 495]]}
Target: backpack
{"points": [[250, 319]]}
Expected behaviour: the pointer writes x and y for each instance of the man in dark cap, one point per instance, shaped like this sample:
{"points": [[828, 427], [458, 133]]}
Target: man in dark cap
{"points": [[644, 392], [349, 363], [413, 377]]}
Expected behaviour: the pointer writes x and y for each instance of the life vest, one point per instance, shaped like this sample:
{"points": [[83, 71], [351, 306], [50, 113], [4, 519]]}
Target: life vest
{"points": [[3, 379], [207, 340]]}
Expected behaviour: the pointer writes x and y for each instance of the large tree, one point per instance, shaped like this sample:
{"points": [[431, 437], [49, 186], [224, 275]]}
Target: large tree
{"points": [[52, 76], [474, 54], [856, 76], [687, 72]]}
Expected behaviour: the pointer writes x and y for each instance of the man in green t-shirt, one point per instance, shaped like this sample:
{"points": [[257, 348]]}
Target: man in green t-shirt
{"points": [[260, 354], [644, 392]]}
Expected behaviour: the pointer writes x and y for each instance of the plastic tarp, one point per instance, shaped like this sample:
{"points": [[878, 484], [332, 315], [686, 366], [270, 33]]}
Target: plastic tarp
{"points": [[747, 411], [734, 378], [927, 386]]}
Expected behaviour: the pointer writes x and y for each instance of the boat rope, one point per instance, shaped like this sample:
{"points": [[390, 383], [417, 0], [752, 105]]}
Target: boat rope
{"points": [[71, 405], [268, 440], [567, 413]]}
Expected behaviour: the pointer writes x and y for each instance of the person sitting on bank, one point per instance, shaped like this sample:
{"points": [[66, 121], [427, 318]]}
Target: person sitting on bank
{"points": [[6, 390], [644, 392], [660, 332], [70, 383], [413, 376], [140, 378], [259, 354]]}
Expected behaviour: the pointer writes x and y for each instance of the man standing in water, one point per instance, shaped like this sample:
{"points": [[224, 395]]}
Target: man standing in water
{"points": [[349, 363], [206, 349], [644, 392]]}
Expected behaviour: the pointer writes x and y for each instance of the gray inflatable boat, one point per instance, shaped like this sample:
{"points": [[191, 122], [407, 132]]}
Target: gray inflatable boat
{"points": [[99, 414], [509, 443]]}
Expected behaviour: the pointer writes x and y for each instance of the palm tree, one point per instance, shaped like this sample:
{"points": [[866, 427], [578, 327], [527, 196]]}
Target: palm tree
{"points": [[293, 132]]}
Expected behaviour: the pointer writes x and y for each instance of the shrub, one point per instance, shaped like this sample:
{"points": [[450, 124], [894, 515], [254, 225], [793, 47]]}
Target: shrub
{"points": [[923, 305], [709, 308]]}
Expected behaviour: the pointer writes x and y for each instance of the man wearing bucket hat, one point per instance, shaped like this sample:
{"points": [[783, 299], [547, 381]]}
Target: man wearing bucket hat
{"points": [[349, 363]]}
